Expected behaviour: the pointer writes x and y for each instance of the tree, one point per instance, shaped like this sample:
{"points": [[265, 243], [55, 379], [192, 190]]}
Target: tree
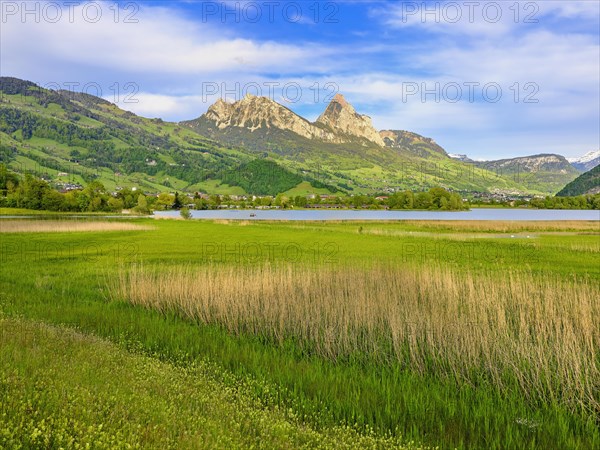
{"points": [[409, 200], [439, 198], [53, 201], [177, 201], [115, 204], [94, 197], [214, 201], [30, 192], [444, 204], [129, 199], [200, 203], [185, 213], [8, 180], [300, 201], [142, 205], [165, 201], [282, 201], [423, 200]]}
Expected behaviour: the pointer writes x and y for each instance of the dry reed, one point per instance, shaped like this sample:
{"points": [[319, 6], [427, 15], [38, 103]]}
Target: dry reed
{"points": [[507, 226], [541, 334], [62, 226]]}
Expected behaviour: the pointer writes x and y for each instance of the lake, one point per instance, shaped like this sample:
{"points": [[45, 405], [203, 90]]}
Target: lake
{"points": [[340, 214]]}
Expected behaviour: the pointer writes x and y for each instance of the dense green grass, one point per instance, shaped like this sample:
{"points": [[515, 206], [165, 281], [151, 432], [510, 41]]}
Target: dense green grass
{"points": [[61, 278], [64, 389]]}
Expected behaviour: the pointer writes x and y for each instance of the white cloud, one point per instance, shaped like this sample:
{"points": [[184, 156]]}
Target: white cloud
{"points": [[460, 18], [158, 105], [172, 57], [162, 41], [582, 9], [485, 18]]}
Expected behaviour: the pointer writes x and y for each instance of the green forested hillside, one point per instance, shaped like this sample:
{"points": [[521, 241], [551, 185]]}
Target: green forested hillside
{"points": [[586, 183], [410, 162], [66, 137], [74, 138]]}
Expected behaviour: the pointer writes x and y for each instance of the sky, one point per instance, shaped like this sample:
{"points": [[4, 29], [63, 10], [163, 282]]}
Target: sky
{"points": [[487, 79]]}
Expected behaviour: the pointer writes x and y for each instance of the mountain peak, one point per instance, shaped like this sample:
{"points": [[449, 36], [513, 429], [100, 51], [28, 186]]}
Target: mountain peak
{"points": [[587, 161], [339, 98], [342, 122], [340, 116], [262, 113]]}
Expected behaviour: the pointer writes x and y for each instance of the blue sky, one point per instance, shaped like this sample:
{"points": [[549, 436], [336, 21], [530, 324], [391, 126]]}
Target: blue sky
{"points": [[487, 79]]}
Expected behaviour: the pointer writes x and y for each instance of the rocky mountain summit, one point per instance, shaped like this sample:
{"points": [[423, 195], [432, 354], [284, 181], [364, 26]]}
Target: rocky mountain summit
{"points": [[420, 145], [339, 123], [533, 164], [342, 137], [254, 112], [341, 117]]}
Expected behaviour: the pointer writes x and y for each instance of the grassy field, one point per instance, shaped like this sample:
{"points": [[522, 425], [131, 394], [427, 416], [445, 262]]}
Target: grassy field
{"points": [[336, 335], [64, 389], [41, 212], [63, 226]]}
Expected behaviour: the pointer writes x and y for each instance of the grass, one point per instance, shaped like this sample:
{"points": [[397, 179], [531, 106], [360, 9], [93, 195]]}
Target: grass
{"points": [[543, 286], [464, 227], [305, 188], [504, 226], [215, 186], [40, 212], [64, 226], [23, 212], [514, 330], [65, 389]]}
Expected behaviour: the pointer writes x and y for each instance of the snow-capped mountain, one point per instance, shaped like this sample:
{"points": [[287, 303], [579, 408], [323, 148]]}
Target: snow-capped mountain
{"points": [[587, 161], [464, 158]]}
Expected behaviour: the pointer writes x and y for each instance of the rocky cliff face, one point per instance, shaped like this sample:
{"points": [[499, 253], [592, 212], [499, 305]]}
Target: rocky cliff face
{"points": [[420, 145], [341, 117], [535, 163], [254, 112], [338, 124]]}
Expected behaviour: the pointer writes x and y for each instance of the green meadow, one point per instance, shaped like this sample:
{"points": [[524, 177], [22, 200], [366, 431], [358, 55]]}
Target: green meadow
{"points": [[240, 334]]}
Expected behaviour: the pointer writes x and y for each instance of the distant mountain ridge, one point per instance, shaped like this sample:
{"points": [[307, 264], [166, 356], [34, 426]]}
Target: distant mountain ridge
{"points": [[543, 170], [463, 158], [260, 123], [252, 146], [587, 161], [533, 163], [582, 163]]}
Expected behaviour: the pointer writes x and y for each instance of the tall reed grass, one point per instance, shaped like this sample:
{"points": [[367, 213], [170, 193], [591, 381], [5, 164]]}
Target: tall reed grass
{"points": [[62, 226], [510, 330], [506, 226]]}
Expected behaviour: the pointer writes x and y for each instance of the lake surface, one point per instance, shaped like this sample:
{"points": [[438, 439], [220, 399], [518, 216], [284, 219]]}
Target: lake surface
{"points": [[474, 214]]}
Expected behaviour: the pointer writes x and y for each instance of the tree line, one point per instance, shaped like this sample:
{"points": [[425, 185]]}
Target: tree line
{"points": [[30, 192]]}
